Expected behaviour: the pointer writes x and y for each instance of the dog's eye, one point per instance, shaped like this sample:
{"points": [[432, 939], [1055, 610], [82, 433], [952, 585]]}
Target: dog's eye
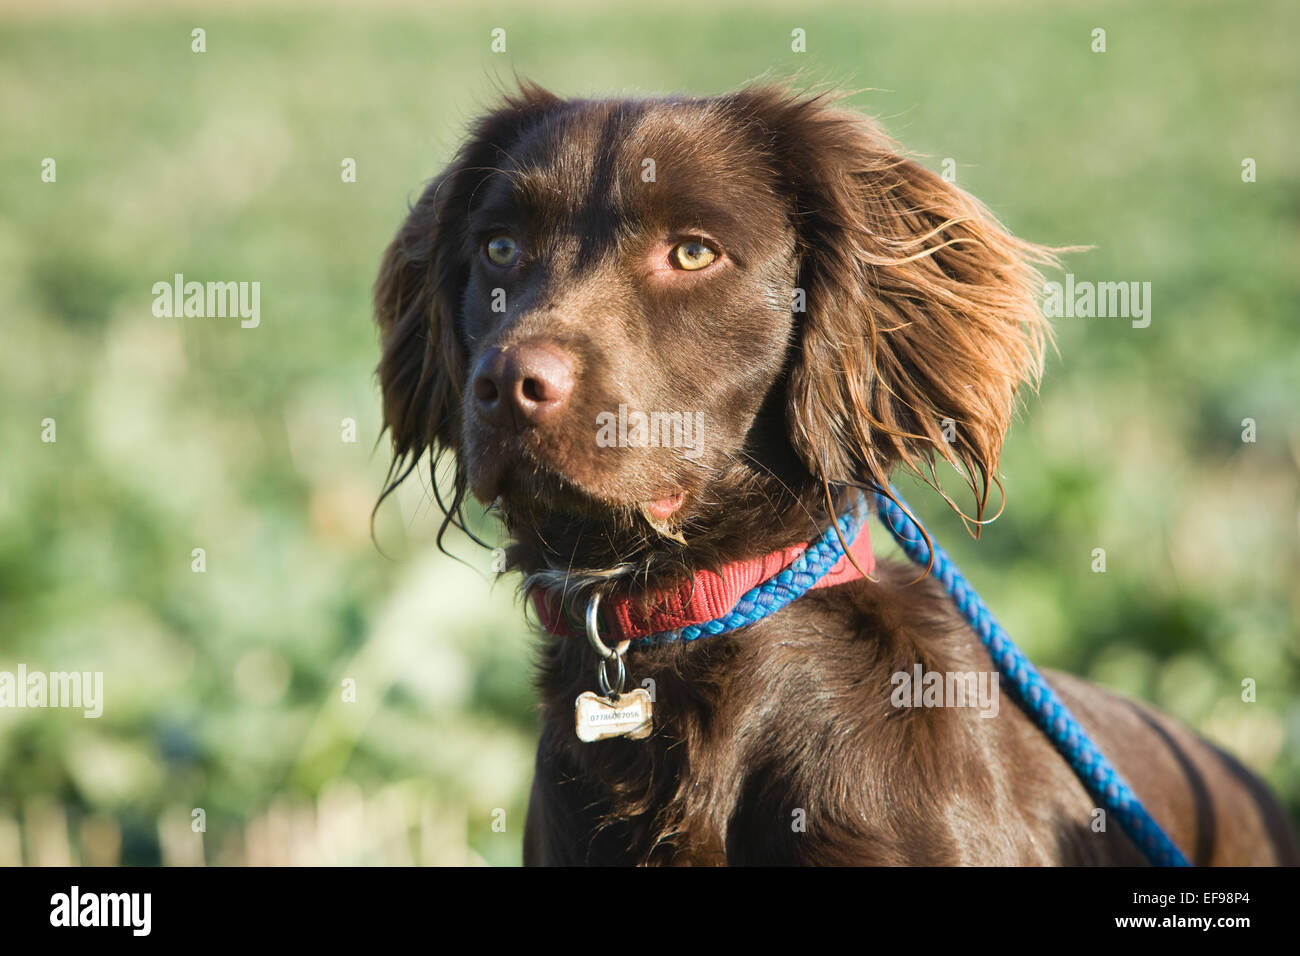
{"points": [[502, 250], [691, 256]]}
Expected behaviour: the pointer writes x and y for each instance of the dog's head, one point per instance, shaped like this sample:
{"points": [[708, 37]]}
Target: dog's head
{"points": [[626, 315]]}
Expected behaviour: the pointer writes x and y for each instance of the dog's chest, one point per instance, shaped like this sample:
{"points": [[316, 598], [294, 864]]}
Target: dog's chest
{"points": [[773, 751]]}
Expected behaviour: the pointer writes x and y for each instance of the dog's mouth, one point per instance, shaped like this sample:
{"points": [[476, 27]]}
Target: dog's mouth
{"points": [[524, 490], [662, 509], [659, 514]]}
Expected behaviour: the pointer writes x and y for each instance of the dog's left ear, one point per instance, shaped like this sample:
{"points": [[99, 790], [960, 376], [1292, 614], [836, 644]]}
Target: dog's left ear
{"points": [[921, 316]]}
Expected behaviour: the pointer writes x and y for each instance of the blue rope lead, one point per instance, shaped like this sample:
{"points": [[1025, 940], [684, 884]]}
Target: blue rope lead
{"points": [[777, 592], [1033, 694]]}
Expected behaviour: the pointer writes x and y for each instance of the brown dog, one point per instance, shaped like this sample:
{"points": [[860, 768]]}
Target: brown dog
{"points": [[763, 272]]}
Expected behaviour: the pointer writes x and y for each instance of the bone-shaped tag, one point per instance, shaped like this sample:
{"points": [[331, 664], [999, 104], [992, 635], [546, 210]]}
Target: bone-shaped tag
{"points": [[599, 717]]}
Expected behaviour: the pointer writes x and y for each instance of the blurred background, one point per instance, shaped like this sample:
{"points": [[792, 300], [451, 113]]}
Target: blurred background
{"points": [[225, 687]]}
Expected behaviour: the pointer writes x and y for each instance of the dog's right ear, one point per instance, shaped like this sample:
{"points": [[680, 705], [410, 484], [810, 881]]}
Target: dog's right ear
{"points": [[420, 372], [421, 279]]}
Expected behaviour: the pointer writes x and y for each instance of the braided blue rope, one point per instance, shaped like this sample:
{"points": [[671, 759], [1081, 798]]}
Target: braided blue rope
{"points": [[1032, 693], [775, 593], [1027, 686]]}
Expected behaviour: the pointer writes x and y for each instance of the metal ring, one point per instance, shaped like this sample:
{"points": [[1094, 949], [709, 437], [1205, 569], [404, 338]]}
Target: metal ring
{"points": [[593, 632], [603, 679]]}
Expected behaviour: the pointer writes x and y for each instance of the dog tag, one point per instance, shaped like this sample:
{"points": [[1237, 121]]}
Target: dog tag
{"points": [[599, 717]]}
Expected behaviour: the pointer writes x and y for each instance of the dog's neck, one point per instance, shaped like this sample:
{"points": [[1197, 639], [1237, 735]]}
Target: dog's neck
{"points": [[715, 600], [581, 556]]}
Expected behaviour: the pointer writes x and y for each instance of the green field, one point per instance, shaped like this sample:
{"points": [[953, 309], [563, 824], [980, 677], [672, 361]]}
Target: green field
{"points": [[224, 690]]}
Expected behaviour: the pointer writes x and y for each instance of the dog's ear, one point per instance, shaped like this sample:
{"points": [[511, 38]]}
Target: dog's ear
{"points": [[921, 317], [421, 279], [421, 368]]}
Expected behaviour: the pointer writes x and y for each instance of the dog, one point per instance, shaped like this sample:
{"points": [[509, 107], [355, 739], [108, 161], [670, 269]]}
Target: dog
{"points": [[669, 338]]}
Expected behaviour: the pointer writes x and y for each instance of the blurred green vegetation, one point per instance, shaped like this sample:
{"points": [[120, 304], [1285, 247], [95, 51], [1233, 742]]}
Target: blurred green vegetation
{"points": [[224, 689]]}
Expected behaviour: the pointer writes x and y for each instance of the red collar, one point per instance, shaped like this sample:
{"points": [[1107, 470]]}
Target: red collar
{"points": [[706, 597]]}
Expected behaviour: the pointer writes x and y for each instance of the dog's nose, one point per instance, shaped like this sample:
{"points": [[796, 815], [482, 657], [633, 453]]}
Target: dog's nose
{"points": [[523, 385]]}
